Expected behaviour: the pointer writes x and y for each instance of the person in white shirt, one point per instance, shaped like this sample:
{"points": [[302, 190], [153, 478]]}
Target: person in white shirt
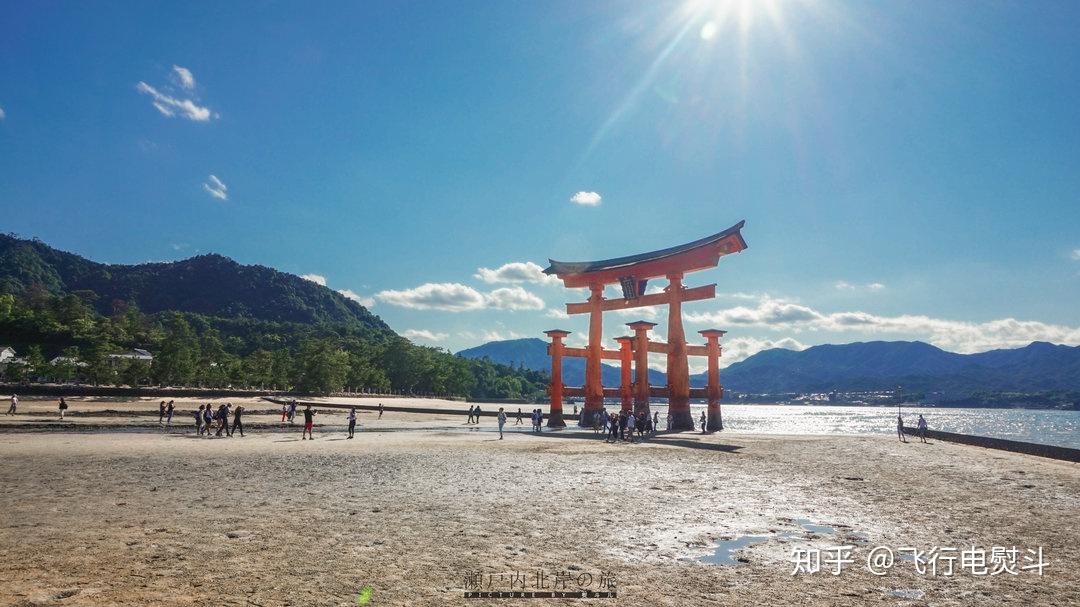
{"points": [[352, 421], [922, 428], [900, 428], [630, 421], [502, 422], [14, 404]]}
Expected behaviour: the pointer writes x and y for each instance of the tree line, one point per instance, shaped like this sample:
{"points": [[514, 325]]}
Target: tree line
{"points": [[203, 351]]}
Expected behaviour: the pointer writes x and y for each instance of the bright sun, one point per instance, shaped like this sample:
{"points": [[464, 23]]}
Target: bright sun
{"points": [[718, 14]]}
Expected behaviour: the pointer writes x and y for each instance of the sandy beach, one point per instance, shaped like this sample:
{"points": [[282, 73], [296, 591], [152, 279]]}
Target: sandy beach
{"points": [[416, 505]]}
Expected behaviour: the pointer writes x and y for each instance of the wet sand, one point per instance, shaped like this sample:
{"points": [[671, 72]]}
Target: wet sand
{"points": [[145, 517]]}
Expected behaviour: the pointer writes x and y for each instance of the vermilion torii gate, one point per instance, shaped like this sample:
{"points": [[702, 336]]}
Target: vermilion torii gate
{"points": [[633, 274]]}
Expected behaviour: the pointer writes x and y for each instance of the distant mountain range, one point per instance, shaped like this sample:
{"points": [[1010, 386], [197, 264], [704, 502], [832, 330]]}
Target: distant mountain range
{"points": [[531, 353], [878, 365], [212, 285]]}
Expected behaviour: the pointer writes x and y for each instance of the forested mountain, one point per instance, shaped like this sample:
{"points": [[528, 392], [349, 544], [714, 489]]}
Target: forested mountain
{"points": [[211, 285], [211, 322], [918, 367]]}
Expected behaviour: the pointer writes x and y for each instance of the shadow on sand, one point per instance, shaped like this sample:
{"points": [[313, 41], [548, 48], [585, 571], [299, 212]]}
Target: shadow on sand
{"points": [[669, 439]]}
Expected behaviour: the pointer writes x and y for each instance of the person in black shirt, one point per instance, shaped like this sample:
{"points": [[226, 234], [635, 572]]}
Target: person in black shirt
{"points": [[237, 423], [309, 423]]}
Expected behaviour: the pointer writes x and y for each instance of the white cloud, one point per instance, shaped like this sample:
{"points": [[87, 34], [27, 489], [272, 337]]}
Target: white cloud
{"points": [[589, 199], [556, 313], [184, 77], [1075, 253], [449, 296], [486, 336], [847, 286], [516, 272], [315, 278], [169, 106], [367, 302], [456, 297], [514, 298], [216, 188], [424, 334], [953, 335]]}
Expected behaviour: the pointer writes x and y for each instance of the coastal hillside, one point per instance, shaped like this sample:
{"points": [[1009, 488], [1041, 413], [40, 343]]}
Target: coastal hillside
{"points": [[879, 365], [211, 322], [210, 285]]}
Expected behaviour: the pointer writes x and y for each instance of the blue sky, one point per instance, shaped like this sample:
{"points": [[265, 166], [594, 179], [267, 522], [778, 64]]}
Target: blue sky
{"points": [[906, 170]]}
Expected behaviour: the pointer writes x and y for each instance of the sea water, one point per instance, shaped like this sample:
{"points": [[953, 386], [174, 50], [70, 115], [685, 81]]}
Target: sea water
{"points": [[1048, 427]]}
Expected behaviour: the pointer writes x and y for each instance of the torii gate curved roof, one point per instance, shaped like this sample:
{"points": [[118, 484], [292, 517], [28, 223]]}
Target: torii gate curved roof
{"points": [[696, 255]]}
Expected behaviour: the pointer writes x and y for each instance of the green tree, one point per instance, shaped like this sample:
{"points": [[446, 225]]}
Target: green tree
{"points": [[324, 366]]}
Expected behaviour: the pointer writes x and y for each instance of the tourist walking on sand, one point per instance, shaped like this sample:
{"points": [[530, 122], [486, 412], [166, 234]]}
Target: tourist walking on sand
{"points": [[900, 428], [208, 419], [198, 420], [62, 406], [669, 421], [292, 411], [630, 423], [922, 428], [309, 423], [703, 421], [380, 410], [655, 421], [352, 421], [14, 404], [284, 412], [161, 412], [222, 420], [469, 421], [169, 408], [237, 423], [613, 424], [518, 423], [502, 422]]}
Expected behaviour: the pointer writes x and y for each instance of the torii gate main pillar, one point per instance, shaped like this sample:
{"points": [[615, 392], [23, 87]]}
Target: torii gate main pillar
{"points": [[594, 387], [678, 369]]}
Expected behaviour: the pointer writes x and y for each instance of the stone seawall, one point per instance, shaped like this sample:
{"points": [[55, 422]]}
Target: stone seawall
{"points": [[1063, 453]]}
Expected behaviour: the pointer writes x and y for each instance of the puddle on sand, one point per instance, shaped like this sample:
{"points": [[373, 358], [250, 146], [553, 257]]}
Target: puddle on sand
{"points": [[906, 594], [813, 527], [724, 550]]}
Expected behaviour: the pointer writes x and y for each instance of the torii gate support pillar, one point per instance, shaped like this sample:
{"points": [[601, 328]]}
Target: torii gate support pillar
{"points": [[555, 414], [714, 390], [626, 357]]}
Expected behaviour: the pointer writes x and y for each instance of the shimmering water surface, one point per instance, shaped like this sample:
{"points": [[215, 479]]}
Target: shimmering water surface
{"points": [[1060, 428]]}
